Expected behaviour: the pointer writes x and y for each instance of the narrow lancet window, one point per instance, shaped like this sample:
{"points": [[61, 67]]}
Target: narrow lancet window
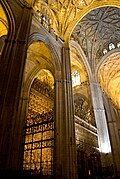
{"points": [[104, 51], [118, 45], [75, 78], [111, 46]]}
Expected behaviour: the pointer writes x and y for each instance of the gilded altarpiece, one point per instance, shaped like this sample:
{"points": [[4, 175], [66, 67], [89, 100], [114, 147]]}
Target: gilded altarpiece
{"points": [[39, 130]]}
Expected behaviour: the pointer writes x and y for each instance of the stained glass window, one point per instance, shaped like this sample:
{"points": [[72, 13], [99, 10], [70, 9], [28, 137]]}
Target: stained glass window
{"points": [[111, 46], [75, 78], [104, 51], [118, 45]]}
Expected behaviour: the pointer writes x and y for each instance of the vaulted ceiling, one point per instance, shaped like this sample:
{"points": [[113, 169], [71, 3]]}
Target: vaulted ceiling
{"points": [[109, 78], [39, 57], [64, 15], [94, 33], [96, 30], [91, 25]]}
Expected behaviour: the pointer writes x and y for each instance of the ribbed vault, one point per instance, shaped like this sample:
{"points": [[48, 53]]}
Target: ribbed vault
{"points": [[64, 15], [109, 78], [94, 33], [96, 30], [39, 54]]}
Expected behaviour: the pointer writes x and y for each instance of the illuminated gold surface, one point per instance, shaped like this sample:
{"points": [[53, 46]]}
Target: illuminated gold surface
{"points": [[38, 149], [66, 14], [31, 2], [46, 76], [3, 22], [63, 12], [95, 32], [39, 53], [109, 77]]}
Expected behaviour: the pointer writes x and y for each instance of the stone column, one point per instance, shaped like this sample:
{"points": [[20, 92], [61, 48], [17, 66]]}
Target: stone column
{"points": [[66, 148], [12, 64], [20, 132], [101, 123], [113, 126], [58, 154]]}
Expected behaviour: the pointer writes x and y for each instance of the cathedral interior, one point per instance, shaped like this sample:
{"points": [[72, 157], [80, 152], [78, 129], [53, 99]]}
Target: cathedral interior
{"points": [[60, 89]]}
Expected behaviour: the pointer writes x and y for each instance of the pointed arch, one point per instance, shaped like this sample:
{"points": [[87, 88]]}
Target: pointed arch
{"points": [[96, 4], [107, 75], [84, 58], [39, 37]]}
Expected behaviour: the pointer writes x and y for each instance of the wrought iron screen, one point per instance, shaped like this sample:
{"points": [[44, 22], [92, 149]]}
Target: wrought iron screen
{"points": [[39, 143]]}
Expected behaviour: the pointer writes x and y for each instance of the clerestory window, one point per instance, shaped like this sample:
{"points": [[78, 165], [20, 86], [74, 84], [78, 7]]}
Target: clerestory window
{"points": [[75, 78]]}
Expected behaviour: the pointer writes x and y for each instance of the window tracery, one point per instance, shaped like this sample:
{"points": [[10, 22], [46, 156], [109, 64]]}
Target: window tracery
{"points": [[111, 46], [105, 51], [118, 44], [75, 78]]}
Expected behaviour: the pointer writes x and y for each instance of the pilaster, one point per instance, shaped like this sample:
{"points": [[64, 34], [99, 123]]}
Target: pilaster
{"points": [[102, 128], [58, 151], [113, 126], [68, 143], [65, 144], [12, 65]]}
